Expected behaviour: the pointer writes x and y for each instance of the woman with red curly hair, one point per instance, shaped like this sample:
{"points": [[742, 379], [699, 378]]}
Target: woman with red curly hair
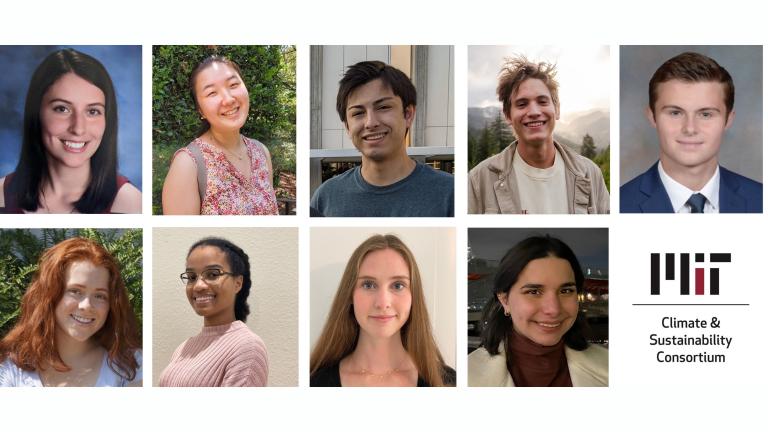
{"points": [[76, 326]]}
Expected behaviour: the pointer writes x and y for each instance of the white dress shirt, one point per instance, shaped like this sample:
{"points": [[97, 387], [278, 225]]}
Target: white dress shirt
{"points": [[679, 194]]}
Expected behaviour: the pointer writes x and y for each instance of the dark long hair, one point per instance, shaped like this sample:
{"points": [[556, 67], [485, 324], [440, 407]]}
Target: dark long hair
{"points": [[32, 171], [497, 326], [239, 266]]}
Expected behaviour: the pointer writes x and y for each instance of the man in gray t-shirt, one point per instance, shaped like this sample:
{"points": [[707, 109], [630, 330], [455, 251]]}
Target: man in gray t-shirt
{"points": [[377, 104]]}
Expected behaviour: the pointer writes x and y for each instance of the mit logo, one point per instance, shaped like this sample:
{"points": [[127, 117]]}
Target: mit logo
{"points": [[685, 272]]}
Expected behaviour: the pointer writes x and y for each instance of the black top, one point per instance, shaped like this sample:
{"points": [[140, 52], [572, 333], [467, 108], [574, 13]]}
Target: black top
{"points": [[329, 377]]}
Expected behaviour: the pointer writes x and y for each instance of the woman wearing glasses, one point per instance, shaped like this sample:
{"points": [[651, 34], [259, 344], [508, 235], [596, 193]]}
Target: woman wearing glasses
{"points": [[225, 353]]}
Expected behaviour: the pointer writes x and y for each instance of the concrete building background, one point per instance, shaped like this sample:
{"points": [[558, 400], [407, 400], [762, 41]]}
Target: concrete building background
{"points": [[435, 253], [273, 254]]}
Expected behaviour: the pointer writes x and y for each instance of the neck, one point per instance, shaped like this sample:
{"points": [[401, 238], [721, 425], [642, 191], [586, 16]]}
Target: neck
{"points": [[386, 172], [380, 355], [73, 351], [694, 178], [229, 140], [218, 320], [539, 155], [65, 183]]}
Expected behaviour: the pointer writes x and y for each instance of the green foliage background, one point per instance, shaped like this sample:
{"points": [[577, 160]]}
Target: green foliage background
{"points": [[20, 249], [269, 73]]}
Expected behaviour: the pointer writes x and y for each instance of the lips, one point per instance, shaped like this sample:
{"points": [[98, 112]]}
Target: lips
{"points": [[373, 137], [383, 318], [231, 113], [82, 320], [74, 146], [203, 299], [535, 124]]}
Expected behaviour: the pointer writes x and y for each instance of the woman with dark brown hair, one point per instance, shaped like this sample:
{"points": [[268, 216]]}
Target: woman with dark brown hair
{"points": [[378, 332], [76, 326]]}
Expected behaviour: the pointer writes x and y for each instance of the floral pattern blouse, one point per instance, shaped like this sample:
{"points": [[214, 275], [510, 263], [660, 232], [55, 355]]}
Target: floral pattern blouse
{"points": [[227, 190]]}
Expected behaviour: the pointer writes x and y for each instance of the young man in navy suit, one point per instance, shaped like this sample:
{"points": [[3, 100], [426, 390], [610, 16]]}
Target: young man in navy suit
{"points": [[691, 100]]}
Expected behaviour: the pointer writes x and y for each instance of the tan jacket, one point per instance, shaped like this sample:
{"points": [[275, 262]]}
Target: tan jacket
{"points": [[493, 186], [588, 368]]}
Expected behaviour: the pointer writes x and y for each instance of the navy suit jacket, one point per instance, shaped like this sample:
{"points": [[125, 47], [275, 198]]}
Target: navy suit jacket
{"points": [[646, 194]]}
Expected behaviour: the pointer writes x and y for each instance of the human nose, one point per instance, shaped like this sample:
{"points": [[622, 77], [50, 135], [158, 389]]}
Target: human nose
{"points": [[371, 120], [77, 124], [534, 110], [689, 125], [85, 303], [551, 305], [227, 97], [383, 299]]}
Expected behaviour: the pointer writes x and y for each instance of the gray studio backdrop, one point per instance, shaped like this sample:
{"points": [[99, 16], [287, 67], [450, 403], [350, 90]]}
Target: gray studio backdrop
{"points": [[742, 147]]}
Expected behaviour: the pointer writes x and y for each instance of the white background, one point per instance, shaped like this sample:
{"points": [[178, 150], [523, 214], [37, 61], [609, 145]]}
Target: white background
{"points": [[641, 395]]}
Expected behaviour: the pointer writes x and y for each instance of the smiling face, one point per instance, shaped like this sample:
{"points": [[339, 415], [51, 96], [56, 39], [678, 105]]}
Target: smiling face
{"points": [[543, 303], [532, 113], [84, 306], [72, 120], [690, 119], [382, 295], [222, 97], [212, 299], [376, 122]]}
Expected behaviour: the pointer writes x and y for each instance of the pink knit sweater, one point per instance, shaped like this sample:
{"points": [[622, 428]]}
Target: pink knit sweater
{"points": [[228, 355]]}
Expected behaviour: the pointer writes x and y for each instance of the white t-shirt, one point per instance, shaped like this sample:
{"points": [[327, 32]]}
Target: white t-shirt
{"points": [[541, 190], [13, 376]]}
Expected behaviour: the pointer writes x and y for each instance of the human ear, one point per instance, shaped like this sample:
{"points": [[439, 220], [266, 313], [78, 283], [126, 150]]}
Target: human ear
{"points": [[729, 119], [650, 116], [238, 283], [410, 113]]}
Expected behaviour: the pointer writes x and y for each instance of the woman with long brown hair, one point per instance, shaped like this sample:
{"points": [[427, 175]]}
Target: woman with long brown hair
{"points": [[76, 326], [378, 331]]}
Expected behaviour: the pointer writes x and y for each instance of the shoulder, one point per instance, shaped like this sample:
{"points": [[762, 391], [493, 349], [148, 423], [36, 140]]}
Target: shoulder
{"points": [[449, 376], [258, 145], [489, 168], [486, 370], [338, 183], [13, 376], [435, 176], [745, 183], [250, 347], [2, 192], [127, 200], [589, 367], [326, 377]]}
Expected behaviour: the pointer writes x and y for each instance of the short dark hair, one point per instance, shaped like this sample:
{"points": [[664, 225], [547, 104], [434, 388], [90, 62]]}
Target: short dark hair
{"points": [[32, 170], [497, 326], [518, 69], [204, 63], [366, 71], [692, 67], [238, 265]]}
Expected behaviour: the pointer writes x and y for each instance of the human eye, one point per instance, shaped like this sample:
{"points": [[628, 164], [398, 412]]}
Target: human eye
{"points": [[189, 277], [568, 290], [212, 275], [532, 291], [94, 112], [367, 284], [234, 84], [399, 286], [74, 292], [706, 115], [102, 297], [61, 109], [356, 113]]}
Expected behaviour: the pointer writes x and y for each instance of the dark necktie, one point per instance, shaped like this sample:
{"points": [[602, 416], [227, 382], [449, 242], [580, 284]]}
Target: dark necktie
{"points": [[696, 202]]}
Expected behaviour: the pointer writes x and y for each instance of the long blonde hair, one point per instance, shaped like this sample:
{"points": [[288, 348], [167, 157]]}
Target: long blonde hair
{"points": [[339, 336]]}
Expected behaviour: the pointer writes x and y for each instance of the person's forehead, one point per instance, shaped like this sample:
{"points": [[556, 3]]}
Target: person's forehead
{"points": [[216, 71], [207, 255], [698, 94], [370, 92], [531, 88]]}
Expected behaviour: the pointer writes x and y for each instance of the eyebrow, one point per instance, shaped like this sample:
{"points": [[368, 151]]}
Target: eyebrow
{"points": [[213, 84], [77, 285], [537, 285], [59, 100], [393, 277], [212, 266], [378, 101], [698, 110]]}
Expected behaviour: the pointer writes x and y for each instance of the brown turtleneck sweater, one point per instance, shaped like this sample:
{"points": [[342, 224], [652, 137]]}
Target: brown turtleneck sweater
{"points": [[534, 365]]}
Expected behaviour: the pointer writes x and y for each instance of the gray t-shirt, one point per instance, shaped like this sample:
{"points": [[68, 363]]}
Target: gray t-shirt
{"points": [[426, 192]]}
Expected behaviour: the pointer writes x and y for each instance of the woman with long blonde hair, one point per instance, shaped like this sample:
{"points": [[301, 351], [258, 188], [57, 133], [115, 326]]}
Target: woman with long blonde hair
{"points": [[378, 331]]}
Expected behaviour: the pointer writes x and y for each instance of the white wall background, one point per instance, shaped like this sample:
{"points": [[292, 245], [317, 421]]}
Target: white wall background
{"points": [[435, 252], [273, 254]]}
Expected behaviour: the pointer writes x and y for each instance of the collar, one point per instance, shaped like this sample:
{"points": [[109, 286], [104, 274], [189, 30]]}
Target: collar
{"points": [[679, 194]]}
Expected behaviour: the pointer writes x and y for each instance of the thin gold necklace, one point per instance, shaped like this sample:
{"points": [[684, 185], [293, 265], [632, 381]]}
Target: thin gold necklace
{"points": [[236, 156], [380, 377]]}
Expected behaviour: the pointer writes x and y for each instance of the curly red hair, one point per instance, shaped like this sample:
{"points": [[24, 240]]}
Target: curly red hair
{"points": [[31, 343]]}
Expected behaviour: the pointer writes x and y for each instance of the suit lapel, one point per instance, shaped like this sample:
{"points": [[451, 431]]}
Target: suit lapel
{"points": [[730, 199], [657, 200]]}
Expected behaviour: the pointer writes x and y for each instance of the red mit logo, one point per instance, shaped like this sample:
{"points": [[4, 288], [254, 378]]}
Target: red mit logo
{"points": [[685, 272]]}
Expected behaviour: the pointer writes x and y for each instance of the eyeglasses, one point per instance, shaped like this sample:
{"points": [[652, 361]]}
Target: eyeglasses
{"points": [[211, 276]]}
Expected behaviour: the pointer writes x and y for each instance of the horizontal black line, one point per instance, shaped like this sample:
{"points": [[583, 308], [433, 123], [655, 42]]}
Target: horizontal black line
{"points": [[690, 304]]}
